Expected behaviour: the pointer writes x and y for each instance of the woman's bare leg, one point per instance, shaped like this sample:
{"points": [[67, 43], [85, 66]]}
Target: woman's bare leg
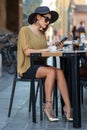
{"points": [[62, 86], [49, 74]]}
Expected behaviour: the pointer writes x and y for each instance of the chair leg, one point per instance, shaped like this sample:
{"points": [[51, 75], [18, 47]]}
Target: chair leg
{"points": [[12, 96], [33, 101], [62, 105], [41, 100], [43, 89], [30, 96], [30, 100], [39, 85], [81, 93], [55, 99]]}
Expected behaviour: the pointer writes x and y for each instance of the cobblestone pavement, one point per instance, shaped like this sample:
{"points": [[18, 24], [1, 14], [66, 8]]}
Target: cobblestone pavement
{"points": [[20, 118]]}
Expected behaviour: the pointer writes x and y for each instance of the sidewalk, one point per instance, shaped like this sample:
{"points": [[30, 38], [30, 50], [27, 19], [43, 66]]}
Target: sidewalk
{"points": [[20, 118]]}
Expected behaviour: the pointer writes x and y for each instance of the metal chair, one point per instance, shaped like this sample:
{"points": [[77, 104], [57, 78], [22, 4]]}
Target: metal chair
{"points": [[83, 84], [33, 95], [83, 75]]}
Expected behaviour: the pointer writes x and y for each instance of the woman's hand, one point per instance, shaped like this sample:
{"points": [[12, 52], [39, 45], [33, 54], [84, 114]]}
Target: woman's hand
{"points": [[60, 45], [53, 43]]}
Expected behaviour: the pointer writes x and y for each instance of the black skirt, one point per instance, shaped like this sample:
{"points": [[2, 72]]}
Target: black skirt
{"points": [[31, 72]]}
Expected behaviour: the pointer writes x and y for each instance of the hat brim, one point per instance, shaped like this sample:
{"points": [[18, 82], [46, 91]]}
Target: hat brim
{"points": [[54, 16]]}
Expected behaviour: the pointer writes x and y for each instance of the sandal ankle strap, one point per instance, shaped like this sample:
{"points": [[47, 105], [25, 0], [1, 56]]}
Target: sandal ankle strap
{"points": [[48, 101]]}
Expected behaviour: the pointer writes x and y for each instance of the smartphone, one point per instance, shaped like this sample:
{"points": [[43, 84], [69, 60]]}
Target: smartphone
{"points": [[64, 39]]}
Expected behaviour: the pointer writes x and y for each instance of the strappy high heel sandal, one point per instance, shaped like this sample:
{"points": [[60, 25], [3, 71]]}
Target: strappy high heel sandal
{"points": [[69, 118], [49, 113]]}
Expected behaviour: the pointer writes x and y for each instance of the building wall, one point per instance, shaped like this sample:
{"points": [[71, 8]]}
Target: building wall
{"points": [[79, 1], [3, 13], [80, 17], [11, 14], [62, 8]]}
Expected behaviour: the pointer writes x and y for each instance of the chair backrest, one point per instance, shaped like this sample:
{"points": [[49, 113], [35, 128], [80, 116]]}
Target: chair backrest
{"points": [[33, 56], [83, 81]]}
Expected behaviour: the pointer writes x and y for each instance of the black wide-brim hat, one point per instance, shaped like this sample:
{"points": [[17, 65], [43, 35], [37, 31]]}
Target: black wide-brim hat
{"points": [[43, 10]]}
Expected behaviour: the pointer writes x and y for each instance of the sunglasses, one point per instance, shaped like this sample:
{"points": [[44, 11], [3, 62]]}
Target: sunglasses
{"points": [[47, 19]]}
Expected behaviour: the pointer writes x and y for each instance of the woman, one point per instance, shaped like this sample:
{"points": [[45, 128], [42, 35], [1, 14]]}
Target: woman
{"points": [[32, 40], [75, 33]]}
